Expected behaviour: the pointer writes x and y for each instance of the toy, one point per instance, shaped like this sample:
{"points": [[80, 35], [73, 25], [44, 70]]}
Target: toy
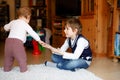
{"points": [[36, 50]]}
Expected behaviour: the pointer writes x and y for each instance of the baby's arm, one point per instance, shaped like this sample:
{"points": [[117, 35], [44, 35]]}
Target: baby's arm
{"points": [[40, 42], [46, 45], [7, 27]]}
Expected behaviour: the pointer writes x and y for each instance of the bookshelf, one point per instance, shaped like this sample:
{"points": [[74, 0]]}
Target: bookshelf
{"points": [[17, 6], [39, 13], [4, 19]]}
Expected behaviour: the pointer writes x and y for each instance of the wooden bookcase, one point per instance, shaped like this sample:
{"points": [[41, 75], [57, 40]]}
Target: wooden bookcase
{"points": [[116, 32], [117, 39], [39, 13]]}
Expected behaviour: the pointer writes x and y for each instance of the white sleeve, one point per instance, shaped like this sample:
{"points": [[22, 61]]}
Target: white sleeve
{"points": [[32, 33], [7, 26], [81, 44], [65, 46]]}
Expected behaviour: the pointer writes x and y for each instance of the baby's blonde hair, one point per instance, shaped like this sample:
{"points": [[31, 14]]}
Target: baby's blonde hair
{"points": [[24, 11], [75, 24]]}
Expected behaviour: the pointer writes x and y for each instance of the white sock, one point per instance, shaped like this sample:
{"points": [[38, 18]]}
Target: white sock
{"points": [[50, 64]]}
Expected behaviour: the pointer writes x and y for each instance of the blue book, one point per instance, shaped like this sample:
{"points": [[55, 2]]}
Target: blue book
{"points": [[117, 44]]}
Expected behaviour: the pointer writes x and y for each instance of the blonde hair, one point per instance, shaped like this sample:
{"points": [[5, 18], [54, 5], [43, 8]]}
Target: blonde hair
{"points": [[75, 24], [24, 11]]}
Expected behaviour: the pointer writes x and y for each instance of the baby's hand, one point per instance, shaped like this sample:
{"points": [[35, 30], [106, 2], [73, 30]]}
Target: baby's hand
{"points": [[55, 50], [46, 45], [41, 42]]}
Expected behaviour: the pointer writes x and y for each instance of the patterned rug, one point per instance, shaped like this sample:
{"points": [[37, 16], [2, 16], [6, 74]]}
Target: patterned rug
{"points": [[41, 72]]}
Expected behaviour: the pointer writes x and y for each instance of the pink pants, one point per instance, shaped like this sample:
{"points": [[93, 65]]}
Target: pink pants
{"points": [[14, 49]]}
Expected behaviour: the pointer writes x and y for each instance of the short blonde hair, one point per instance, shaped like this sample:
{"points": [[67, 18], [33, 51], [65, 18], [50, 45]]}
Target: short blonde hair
{"points": [[24, 11], [75, 24]]}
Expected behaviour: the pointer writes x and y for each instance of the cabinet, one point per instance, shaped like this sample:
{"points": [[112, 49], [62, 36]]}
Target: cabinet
{"points": [[39, 13], [58, 32], [117, 47], [4, 18]]}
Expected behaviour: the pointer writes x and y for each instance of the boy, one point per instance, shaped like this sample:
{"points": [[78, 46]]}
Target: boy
{"points": [[81, 55]]}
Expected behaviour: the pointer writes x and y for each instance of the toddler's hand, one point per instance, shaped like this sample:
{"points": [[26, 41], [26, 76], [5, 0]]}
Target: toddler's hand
{"points": [[46, 45], [41, 42]]}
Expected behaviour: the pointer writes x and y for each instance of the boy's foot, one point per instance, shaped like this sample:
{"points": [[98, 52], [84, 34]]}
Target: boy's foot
{"points": [[50, 64], [45, 63]]}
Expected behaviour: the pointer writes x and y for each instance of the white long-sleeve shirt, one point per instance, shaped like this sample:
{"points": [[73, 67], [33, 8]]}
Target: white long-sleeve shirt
{"points": [[82, 43], [19, 29]]}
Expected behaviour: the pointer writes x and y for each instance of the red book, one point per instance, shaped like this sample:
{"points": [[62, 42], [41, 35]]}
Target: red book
{"points": [[30, 2]]}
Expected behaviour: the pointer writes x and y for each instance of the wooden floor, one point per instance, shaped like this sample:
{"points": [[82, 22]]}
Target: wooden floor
{"points": [[101, 66]]}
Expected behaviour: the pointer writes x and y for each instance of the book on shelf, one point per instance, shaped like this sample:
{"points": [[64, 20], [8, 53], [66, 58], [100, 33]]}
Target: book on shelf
{"points": [[117, 44], [36, 2]]}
